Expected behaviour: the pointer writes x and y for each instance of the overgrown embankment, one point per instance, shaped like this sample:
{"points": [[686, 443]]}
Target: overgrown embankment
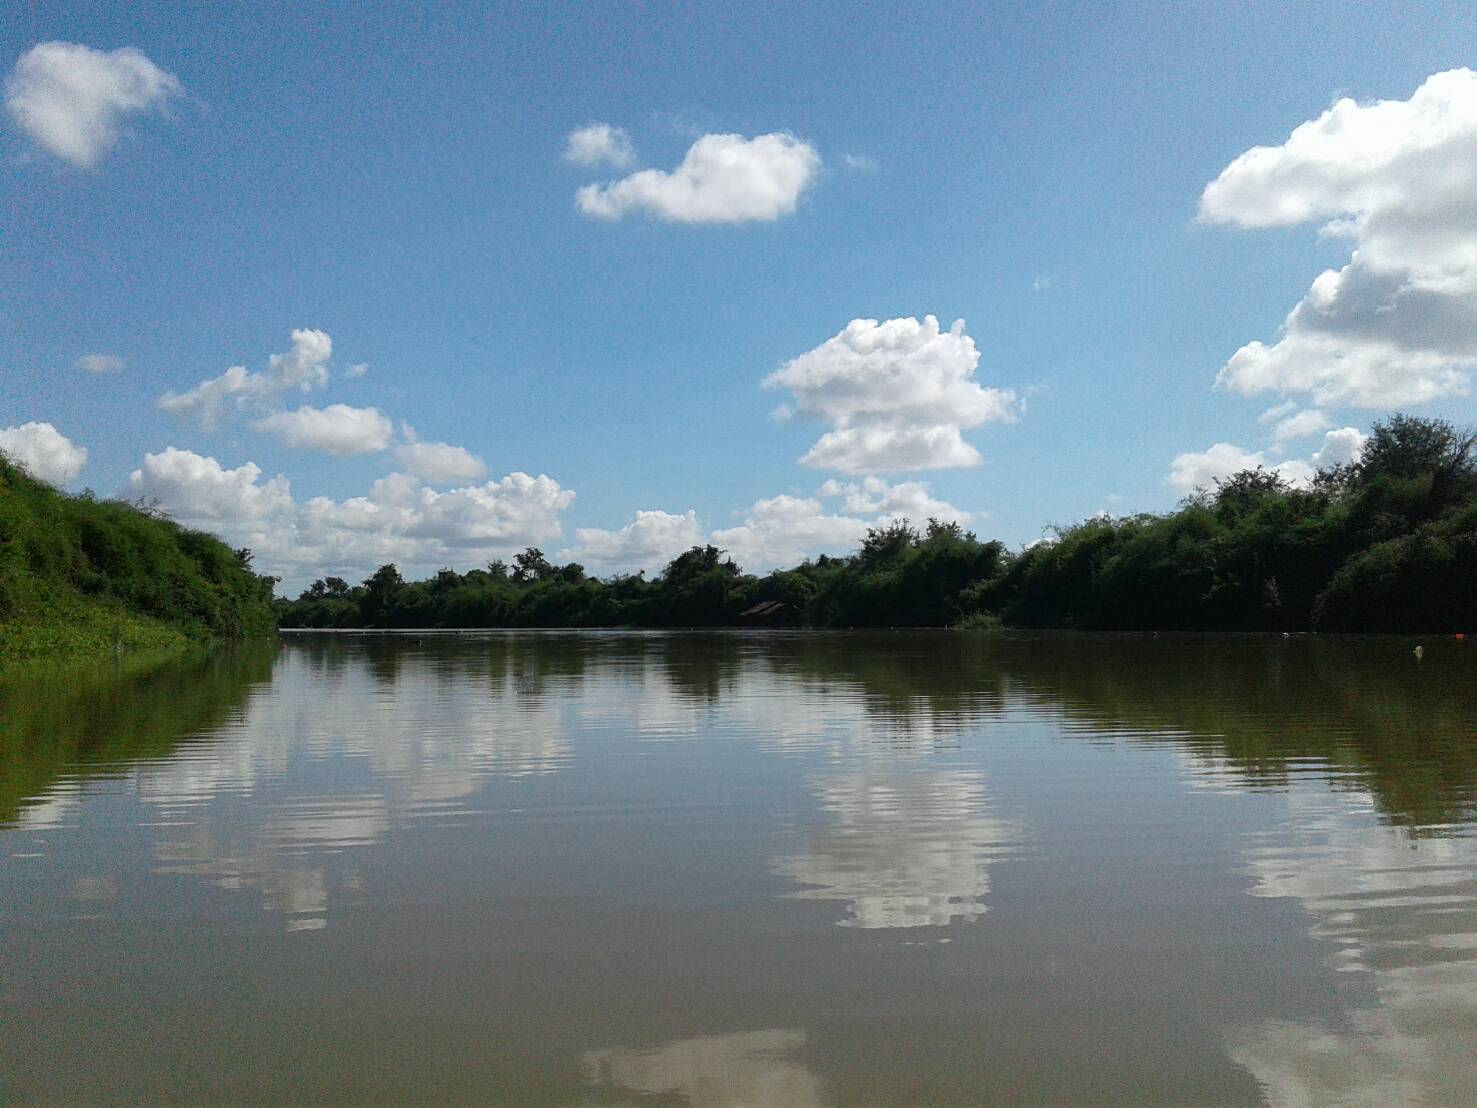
{"points": [[1385, 543], [83, 577]]}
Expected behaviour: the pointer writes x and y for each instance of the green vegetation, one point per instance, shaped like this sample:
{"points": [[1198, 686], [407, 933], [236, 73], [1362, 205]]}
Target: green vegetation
{"points": [[89, 719], [1388, 543], [81, 577]]}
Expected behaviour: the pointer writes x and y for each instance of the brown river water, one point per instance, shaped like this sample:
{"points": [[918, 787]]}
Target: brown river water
{"points": [[764, 869]]}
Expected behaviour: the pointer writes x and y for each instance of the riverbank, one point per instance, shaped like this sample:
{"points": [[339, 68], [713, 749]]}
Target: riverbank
{"points": [[87, 578], [76, 629]]}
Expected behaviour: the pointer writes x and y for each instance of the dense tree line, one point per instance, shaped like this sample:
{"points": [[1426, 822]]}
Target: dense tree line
{"points": [[1386, 543], [80, 575]]}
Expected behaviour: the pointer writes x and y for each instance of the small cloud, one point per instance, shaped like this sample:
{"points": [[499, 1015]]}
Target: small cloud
{"points": [[305, 368], [1308, 422], [781, 413], [599, 144], [439, 463], [99, 363], [356, 371], [336, 429], [722, 179], [1277, 411], [44, 451], [71, 99], [1041, 284], [896, 393], [859, 163]]}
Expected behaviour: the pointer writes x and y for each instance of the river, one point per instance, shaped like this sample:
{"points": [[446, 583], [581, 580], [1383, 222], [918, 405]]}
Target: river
{"points": [[779, 869]]}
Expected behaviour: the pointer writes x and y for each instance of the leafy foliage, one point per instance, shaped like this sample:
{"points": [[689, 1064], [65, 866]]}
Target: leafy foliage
{"points": [[80, 575], [1388, 543]]}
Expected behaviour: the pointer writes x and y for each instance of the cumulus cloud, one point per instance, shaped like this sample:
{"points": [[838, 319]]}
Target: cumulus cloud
{"points": [[1397, 324], [303, 368], [897, 395], [722, 179], [1340, 448], [71, 99], [904, 500], [599, 144], [440, 463], [648, 542], [399, 520], [785, 529], [99, 363], [782, 530], [44, 452], [1310, 421], [1192, 471], [776, 531], [336, 429], [200, 492]]}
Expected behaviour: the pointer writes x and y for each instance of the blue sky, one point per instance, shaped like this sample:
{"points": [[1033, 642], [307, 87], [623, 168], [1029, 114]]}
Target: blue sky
{"points": [[396, 180]]}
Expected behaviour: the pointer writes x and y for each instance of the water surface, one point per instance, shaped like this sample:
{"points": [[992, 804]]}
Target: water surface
{"points": [[795, 869]]}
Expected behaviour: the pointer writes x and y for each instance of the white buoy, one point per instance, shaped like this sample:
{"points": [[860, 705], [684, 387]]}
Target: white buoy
{"points": [[1419, 652]]}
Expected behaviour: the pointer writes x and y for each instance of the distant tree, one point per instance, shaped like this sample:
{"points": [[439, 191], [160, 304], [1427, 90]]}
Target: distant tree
{"points": [[1243, 492], [1410, 447], [887, 543], [951, 530], [531, 565], [697, 561]]}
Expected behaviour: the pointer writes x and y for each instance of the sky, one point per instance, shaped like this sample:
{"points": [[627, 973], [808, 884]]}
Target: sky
{"points": [[430, 284]]}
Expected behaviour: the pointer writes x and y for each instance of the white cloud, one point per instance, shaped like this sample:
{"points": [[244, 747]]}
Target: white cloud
{"points": [[785, 529], [100, 363], [904, 500], [200, 492], [336, 429], [896, 393], [891, 450], [356, 371], [722, 179], [1041, 284], [859, 163], [399, 520], [1192, 471], [649, 541], [516, 510], [599, 144], [1277, 411], [44, 452], [305, 367], [1309, 421], [71, 99], [1397, 324], [440, 463], [1339, 448]]}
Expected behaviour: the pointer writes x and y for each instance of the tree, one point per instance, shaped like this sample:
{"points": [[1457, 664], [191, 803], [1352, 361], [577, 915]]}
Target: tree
{"points": [[1244, 492], [1408, 446], [887, 543], [697, 561], [531, 565]]}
